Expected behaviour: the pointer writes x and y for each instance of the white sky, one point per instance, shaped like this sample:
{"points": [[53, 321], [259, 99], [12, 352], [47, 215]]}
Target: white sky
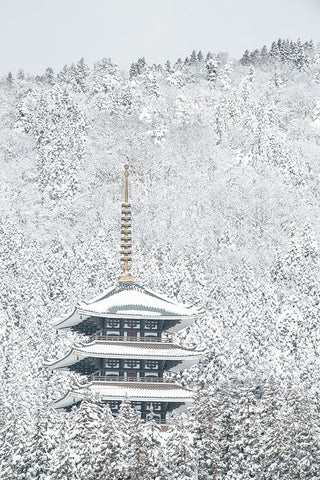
{"points": [[35, 34]]}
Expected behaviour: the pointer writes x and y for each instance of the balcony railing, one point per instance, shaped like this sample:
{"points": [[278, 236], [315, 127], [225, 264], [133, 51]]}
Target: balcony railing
{"points": [[159, 421], [118, 338], [105, 378]]}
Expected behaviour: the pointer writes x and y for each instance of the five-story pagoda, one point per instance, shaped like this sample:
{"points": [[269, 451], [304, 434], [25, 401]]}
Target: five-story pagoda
{"points": [[129, 347]]}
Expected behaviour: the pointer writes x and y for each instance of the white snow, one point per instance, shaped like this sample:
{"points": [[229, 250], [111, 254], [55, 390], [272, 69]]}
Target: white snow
{"points": [[158, 393], [147, 303]]}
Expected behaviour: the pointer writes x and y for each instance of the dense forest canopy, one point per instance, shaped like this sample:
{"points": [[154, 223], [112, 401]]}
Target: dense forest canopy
{"points": [[225, 175]]}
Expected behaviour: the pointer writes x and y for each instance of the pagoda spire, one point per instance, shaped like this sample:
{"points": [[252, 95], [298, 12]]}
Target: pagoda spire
{"points": [[126, 245]]}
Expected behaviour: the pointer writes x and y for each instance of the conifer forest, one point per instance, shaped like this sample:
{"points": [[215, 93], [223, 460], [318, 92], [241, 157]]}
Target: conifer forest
{"points": [[225, 179]]}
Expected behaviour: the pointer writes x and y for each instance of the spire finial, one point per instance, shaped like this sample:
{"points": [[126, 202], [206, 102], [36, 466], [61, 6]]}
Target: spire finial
{"points": [[126, 183], [126, 246]]}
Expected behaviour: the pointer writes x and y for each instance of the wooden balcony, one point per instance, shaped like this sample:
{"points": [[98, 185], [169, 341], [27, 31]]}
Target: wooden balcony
{"points": [[118, 338], [106, 378]]}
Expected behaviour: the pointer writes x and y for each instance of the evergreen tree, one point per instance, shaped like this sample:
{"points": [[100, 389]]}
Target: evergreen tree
{"points": [[264, 55], [300, 56], [178, 65], [86, 439], [274, 51], [212, 70], [255, 56], [251, 75], [49, 76], [42, 448], [133, 71], [108, 453], [246, 59], [168, 66], [9, 79], [200, 56], [20, 75], [59, 129], [141, 66], [134, 456], [153, 446], [181, 455], [82, 72], [193, 57], [65, 460], [244, 450], [206, 445], [153, 86]]}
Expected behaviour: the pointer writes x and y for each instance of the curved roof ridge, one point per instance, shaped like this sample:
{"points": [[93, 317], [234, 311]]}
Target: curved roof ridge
{"points": [[127, 286], [145, 299]]}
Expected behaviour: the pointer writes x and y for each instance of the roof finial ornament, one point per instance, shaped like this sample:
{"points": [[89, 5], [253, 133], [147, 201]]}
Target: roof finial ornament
{"points": [[126, 246]]}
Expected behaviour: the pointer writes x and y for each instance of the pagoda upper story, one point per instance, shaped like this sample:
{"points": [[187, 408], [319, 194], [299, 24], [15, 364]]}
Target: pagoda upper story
{"points": [[129, 352], [126, 306]]}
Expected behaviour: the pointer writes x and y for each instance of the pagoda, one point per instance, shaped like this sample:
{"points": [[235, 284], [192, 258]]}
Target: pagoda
{"points": [[128, 351]]}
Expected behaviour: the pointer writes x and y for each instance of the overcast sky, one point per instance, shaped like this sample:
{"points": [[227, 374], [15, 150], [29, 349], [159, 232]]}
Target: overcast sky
{"points": [[35, 34]]}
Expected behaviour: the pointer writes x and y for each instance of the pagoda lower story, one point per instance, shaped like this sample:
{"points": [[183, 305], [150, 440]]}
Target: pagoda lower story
{"points": [[150, 399]]}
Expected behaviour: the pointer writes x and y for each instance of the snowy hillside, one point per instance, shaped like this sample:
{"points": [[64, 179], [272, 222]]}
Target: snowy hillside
{"points": [[225, 174]]}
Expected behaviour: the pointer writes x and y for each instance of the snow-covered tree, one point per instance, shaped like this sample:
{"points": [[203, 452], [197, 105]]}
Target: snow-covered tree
{"points": [[224, 156]]}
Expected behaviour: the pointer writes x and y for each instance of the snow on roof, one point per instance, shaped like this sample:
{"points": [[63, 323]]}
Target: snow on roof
{"points": [[119, 392], [128, 300], [149, 351], [136, 312]]}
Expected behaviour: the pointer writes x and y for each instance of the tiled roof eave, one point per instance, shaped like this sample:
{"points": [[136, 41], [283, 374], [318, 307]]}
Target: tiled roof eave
{"points": [[133, 356], [147, 316], [131, 394], [155, 345], [83, 354], [147, 387]]}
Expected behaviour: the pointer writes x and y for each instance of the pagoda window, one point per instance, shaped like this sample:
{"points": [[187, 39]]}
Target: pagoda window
{"points": [[113, 323], [156, 406], [114, 405], [132, 364], [151, 324], [113, 363], [132, 324], [151, 364]]}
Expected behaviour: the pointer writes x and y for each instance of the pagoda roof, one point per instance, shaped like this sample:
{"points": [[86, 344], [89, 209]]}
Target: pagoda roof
{"points": [[135, 393], [128, 300], [129, 351]]}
